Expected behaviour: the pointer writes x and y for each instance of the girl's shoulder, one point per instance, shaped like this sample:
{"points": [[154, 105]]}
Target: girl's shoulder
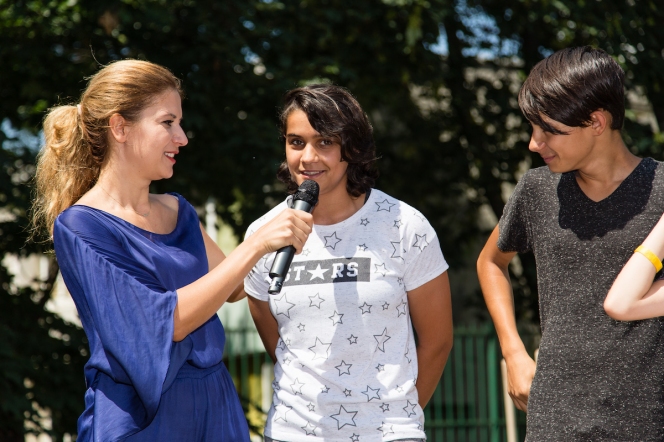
{"points": [[276, 210], [387, 205]]}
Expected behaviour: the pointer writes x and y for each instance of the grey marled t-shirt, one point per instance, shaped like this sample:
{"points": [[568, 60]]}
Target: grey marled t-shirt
{"points": [[597, 379]]}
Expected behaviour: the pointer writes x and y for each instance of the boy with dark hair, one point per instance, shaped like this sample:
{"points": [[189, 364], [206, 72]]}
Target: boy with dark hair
{"points": [[582, 216]]}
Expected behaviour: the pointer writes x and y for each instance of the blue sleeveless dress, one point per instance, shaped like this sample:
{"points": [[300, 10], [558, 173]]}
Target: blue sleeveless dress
{"points": [[142, 386]]}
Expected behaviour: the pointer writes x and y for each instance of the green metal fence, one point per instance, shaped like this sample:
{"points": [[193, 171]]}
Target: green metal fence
{"points": [[467, 405]]}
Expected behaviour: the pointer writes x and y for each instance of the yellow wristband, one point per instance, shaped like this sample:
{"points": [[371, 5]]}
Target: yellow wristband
{"points": [[651, 257]]}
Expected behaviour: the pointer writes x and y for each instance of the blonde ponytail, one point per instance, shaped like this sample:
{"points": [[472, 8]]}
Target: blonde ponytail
{"points": [[65, 168], [76, 137]]}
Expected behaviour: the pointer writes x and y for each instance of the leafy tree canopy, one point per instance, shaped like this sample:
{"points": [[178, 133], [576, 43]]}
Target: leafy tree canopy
{"points": [[438, 78]]}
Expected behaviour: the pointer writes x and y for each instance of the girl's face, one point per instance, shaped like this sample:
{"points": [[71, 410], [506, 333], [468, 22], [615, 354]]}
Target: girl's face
{"points": [[155, 139], [311, 156]]}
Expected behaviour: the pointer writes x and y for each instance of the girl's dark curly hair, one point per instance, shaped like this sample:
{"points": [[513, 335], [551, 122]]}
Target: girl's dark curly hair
{"points": [[333, 112]]}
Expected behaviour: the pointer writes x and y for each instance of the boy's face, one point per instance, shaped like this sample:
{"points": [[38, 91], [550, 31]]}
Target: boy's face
{"points": [[563, 152]]}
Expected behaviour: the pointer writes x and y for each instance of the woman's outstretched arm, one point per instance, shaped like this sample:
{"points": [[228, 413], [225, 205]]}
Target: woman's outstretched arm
{"points": [[201, 299], [215, 257], [633, 294]]}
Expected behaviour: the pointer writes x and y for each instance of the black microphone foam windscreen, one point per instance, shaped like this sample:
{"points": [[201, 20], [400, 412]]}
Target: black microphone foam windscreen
{"points": [[308, 192]]}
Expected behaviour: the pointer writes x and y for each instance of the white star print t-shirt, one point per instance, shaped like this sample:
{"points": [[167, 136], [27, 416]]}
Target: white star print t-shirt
{"points": [[346, 357]]}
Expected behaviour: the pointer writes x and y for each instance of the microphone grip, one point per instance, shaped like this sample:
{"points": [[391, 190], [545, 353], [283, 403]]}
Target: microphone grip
{"points": [[284, 257], [279, 269]]}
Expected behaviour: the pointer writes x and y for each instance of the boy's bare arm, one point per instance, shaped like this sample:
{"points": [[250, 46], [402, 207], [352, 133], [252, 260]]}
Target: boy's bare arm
{"points": [[492, 271]]}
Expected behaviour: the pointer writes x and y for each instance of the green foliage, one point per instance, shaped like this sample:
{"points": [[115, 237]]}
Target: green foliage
{"points": [[41, 361], [41, 356], [449, 132], [630, 30]]}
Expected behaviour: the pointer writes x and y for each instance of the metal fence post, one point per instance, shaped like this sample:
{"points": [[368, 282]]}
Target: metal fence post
{"points": [[492, 386], [510, 411]]}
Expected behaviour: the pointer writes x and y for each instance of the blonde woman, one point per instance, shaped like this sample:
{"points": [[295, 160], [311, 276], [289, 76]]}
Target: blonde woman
{"points": [[146, 279]]}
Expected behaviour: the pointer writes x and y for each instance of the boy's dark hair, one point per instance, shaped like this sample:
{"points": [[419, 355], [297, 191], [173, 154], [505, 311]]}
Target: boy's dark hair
{"points": [[571, 84], [333, 112]]}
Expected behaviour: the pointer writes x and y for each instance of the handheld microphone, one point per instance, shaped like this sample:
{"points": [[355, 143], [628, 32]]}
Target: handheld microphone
{"points": [[305, 199]]}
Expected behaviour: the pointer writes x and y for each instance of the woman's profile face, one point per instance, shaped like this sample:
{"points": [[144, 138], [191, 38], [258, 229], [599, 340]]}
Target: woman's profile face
{"points": [[155, 139], [311, 156]]}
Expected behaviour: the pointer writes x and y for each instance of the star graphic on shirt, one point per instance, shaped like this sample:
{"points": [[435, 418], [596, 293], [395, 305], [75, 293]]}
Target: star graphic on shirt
{"points": [[301, 327], [355, 438], [281, 344], [380, 367], [410, 409], [385, 205], [309, 429], [397, 223], [336, 318], [386, 305], [275, 386], [344, 418], [311, 407], [318, 272], [305, 252], [362, 247], [386, 429], [364, 221], [371, 393], [287, 342], [297, 387], [366, 308], [286, 361], [401, 308], [399, 389], [325, 389], [420, 241], [343, 368], [316, 300], [347, 392], [406, 354], [381, 339], [398, 250], [419, 426], [381, 269], [385, 407], [320, 349], [400, 280], [332, 241], [352, 339], [282, 306], [280, 411], [265, 266]]}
